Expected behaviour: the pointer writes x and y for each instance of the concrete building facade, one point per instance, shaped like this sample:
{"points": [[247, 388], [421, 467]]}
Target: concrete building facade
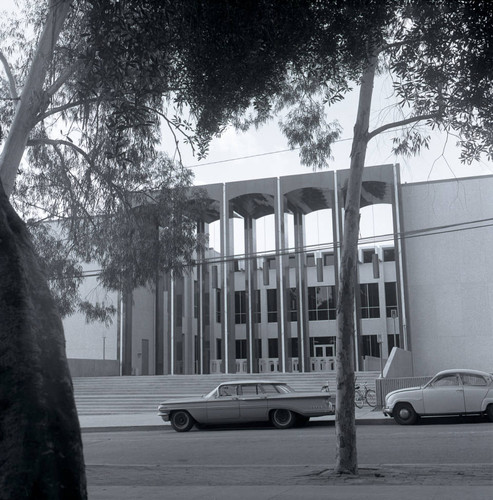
{"points": [[242, 308]]}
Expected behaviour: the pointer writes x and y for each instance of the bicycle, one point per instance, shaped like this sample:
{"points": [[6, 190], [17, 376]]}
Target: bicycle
{"points": [[368, 396]]}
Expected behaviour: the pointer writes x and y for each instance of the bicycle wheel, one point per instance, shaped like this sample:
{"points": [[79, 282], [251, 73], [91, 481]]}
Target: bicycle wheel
{"points": [[371, 398], [359, 399]]}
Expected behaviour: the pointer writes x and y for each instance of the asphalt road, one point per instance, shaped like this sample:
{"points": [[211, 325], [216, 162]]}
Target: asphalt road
{"points": [[430, 453]]}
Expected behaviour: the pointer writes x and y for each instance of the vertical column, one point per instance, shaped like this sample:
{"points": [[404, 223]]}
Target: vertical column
{"points": [[127, 333], [251, 288], [227, 286], [200, 297], [302, 292], [282, 282], [401, 298], [159, 324]]}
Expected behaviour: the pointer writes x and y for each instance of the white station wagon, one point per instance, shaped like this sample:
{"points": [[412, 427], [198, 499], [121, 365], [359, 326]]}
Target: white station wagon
{"points": [[449, 392]]}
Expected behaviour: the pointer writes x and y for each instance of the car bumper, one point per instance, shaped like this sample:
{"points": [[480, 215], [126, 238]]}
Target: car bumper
{"points": [[387, 411], [164, 416]]}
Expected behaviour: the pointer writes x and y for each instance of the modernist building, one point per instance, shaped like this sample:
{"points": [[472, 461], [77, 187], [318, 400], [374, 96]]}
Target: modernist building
{"points": [[250, 311], [427, 287]]}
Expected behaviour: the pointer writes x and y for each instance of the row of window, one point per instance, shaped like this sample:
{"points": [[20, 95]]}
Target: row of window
{"points": [[319, 347], [322, 303], [388, 255]]}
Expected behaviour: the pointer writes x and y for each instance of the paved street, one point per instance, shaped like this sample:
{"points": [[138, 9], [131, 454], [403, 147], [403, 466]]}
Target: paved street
{"points": [[432, 455]]}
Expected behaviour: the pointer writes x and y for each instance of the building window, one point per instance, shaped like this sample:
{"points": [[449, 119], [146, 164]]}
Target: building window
{"points": [[370, 302], [271, 261], [195, 299], [293, 305], [219, 352], [294, 347], [390, 342], [368, 256], [257, 316], [371, 346], [390, 298], [273, 348], [322, 347], [241, 349], [328, 259], [292, 261], [240, 308], [310, 260], [272, 305], [389, 254], [179, 310], [218, 305], [321, 303], [259, 347]]}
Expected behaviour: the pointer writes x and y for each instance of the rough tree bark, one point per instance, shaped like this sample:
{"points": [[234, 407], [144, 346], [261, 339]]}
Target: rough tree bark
{"points": [[345, 425], [40, 444]]}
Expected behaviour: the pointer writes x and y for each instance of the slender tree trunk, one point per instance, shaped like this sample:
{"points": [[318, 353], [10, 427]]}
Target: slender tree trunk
{"points": [[345, 425], [40, 444], [32, 98]]}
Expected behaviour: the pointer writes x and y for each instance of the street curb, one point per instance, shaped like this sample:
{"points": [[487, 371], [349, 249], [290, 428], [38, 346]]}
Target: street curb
{"points": [[145, 428]]}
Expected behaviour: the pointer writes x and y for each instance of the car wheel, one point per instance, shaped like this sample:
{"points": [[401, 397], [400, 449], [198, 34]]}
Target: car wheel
{"points": [[489, 412], [283, 419], [181, 421], [371, 398], [404, 414]]}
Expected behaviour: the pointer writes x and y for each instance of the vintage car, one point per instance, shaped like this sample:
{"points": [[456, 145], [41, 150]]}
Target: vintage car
{"points": [[247, 401], [449, 392]]}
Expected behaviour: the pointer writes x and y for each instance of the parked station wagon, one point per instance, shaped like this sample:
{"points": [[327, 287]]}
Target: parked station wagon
{"points": [[449, 392], [247, 401]]}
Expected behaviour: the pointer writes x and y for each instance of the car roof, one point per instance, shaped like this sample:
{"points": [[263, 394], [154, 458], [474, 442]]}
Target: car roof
{"points": [[464, 370], [252, 381]]}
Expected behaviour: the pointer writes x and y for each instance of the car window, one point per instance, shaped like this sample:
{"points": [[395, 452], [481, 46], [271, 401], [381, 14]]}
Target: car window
{"points": [[470, 379], [283, 388], [446, 380], [228, 390], [269, 389], [249, 390]]}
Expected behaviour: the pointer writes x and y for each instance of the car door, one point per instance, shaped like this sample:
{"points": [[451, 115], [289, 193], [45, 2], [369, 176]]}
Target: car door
{"points": [[475, 390], [443, 395], [253, 403], [225, 407]]}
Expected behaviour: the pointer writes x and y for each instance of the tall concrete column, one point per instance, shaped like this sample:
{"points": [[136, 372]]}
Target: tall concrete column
{"points": [[282, 282], [302, 293], [227, 286], [251, 287]]}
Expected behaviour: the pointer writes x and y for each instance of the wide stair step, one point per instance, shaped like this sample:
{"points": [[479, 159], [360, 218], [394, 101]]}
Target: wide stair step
{"points": [[123, 395]]}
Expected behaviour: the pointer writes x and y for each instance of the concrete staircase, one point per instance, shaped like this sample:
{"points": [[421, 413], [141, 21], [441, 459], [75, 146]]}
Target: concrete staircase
{"points": [[123, 395]]}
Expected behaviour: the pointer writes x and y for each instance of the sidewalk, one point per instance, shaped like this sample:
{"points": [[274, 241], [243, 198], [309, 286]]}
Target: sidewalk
{"points": [[151, 421]]}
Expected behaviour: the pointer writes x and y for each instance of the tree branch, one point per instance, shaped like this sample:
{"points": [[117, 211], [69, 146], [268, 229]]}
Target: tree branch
{"points": [[60, 142], [10, 76], [401, 123]]}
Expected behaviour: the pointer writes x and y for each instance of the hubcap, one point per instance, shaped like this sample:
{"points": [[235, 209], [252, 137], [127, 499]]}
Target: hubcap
{"points": [[404, 413]]}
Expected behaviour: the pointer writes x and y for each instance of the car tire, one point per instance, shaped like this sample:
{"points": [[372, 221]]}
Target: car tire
{"points": [[181, 421], [489, 412], [404, 414], [283, 419]]}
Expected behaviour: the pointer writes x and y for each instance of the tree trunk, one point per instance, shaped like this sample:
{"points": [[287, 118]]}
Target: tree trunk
{"points": [[345, 425], [32, 98], [40, 444]]}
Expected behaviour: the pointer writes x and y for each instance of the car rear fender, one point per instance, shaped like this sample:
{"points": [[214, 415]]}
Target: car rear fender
{"points": [[488, 400]]}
